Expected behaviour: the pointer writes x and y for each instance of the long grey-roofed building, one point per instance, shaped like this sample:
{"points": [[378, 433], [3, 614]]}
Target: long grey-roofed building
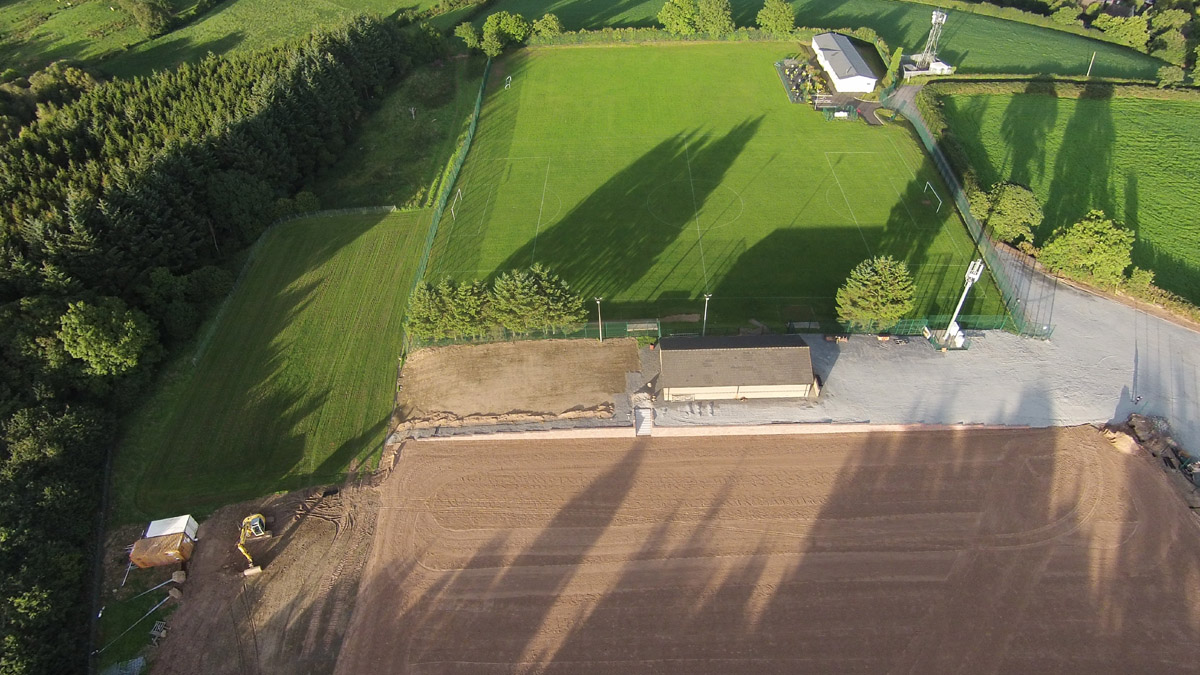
{"points": [[735, 367], [843, 62]]}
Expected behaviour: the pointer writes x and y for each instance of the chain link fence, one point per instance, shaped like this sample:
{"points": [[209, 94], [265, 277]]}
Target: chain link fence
{"points": [[1027, 295], [450, 178]]}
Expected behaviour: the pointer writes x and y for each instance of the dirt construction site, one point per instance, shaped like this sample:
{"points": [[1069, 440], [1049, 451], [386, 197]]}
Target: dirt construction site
{"points": [[947, 551]]}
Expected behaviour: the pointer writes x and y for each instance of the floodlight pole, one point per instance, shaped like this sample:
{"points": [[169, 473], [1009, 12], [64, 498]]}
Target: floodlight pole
{"points": [[599, 320], [1090, 63], [704, 326], [974, 271]]}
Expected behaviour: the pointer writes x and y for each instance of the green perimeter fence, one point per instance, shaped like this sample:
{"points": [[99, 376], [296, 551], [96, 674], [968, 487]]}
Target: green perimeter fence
{"points": [[590, 331], [655, 328], [450, 178], [1027, 294]]}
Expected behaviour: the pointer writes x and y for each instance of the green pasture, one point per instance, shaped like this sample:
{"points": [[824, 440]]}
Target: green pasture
{"points": [[36, 32], [651, 175], [245, 24], [974, 43], [1134, 158], [295, 383], [403, 145]]}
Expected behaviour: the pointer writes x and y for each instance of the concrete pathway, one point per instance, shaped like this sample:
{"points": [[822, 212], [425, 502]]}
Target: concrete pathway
{"points": [[1105, 360]]}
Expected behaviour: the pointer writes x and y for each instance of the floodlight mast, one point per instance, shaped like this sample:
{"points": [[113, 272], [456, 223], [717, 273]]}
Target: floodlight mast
{"points": [[974, 272], [599, 320], [929, 54], [704, 326]]}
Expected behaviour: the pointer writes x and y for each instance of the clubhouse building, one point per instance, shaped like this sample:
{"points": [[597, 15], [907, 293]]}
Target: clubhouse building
{"points": [[846, 67]]}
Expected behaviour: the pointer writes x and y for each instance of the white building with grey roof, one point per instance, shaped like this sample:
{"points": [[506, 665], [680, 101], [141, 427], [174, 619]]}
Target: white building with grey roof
{"points": [[844, 64]]}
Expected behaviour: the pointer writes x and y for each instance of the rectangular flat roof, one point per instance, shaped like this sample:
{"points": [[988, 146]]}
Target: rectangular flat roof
{"points": [[735, 361]]}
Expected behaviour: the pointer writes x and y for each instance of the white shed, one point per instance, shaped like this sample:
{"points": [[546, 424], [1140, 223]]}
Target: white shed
{"points": [[735, 367], [844, 64], [178, 525]]}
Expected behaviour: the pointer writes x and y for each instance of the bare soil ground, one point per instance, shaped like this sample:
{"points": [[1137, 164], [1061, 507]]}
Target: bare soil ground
{"points": [[928, 552], [511, 381], [289, 619]]}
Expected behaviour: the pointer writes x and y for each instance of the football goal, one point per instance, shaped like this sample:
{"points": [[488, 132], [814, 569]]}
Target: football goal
{"points": [[930, 189]]}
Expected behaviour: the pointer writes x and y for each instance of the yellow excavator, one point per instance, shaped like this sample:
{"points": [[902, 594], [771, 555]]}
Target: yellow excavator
{"points": [[254, 526]]}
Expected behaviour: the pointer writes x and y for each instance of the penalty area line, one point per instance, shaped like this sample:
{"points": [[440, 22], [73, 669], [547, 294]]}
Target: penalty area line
{"points": [[696, 209], [846, 199], [537, 229]]}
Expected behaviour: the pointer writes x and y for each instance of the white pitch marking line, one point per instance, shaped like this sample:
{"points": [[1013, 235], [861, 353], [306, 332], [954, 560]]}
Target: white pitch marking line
{"points": [[847, 200], [900, 156], [538, 228], [696, 208], [899, 197], [483, 216]]}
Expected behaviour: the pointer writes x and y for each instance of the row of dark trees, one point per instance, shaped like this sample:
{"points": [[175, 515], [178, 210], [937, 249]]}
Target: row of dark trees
{"points": [[519, 301], [117, 209]]}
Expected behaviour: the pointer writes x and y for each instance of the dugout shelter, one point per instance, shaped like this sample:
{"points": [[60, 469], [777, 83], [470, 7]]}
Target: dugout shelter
{"points": [[844, 64], [735, 367]]}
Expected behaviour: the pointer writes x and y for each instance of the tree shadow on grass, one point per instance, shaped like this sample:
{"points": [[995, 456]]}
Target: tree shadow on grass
{"points": [[1027, 122], [238, 424], [610, 240], [168, 52], [1081, 179]]}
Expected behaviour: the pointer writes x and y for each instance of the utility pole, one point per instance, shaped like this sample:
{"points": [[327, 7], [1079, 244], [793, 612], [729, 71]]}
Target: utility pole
{"points": [[704, 326], [599, 320]]}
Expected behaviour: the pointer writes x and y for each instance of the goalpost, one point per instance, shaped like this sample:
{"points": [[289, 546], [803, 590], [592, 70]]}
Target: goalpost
{"points": [[453, 204], [929, 188]]}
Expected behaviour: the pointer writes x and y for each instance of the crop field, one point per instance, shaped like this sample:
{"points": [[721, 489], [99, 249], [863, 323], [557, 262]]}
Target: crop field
{"points": [[1134, 158], [650, 176], [295, 384], [974, 43]]}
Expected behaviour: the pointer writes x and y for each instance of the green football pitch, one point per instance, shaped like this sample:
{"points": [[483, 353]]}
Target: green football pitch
{"points": [[653, 175]]}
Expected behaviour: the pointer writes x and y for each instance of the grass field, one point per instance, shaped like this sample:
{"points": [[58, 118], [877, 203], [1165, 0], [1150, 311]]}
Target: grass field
{"points": [[974, 43], [296, 383], [402, 147], [248, 24], [36, 32], [653, 175], [1134, 158]]}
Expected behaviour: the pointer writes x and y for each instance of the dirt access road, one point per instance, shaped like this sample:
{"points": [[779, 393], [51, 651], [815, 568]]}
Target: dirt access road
{"points": [[511, 380], [924, 552]]}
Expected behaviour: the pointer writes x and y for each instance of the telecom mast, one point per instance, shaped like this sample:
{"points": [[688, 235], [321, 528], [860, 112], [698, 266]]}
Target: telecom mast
{"points": [[929, 55]]}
